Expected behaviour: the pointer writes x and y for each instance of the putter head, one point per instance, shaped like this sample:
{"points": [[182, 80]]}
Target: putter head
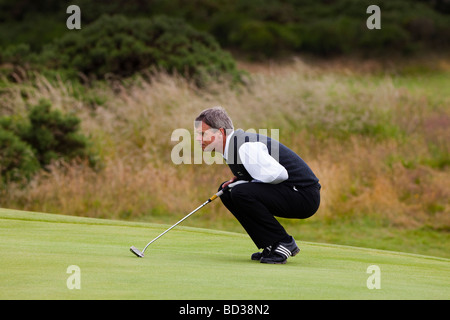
{"points": [[136, 252]]}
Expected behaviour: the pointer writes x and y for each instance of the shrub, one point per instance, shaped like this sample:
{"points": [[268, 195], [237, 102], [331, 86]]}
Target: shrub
{"points": [[17, 54], [27, 145], [53, 135], [17, 161], [123, 46], [420, 25], [264, 39]]}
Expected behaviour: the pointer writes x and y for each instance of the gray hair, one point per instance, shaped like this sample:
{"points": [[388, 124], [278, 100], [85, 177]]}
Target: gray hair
{"points": [[215, 117]]}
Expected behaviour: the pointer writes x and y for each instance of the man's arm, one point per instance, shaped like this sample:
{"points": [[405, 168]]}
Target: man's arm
{"points": [[260, 164]]}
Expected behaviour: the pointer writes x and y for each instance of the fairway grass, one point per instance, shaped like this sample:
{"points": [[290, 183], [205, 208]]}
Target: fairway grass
{"points": [[36, 250]]}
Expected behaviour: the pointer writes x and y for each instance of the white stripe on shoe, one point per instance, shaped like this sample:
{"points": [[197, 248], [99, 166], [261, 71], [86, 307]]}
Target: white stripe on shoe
{"points": [[283, 251]]}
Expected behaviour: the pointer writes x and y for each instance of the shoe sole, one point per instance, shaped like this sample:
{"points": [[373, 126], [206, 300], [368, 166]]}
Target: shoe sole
{"points": [[273, 262]]}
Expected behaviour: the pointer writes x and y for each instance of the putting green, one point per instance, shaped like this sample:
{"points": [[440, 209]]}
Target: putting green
{"points": [[36, 250]]}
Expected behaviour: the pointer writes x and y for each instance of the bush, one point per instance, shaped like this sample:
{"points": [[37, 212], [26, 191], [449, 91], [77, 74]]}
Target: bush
{"points": [[17, 161], [264, 39], [53, 135], [122, 46], [29, 145], [389, 38], [420, 25], [17, 54]]}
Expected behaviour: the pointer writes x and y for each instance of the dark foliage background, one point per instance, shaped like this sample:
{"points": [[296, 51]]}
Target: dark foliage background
{"points": [[258, 29]]}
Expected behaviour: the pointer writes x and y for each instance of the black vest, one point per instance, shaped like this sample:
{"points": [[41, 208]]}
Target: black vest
{"points": [[299, 172]]}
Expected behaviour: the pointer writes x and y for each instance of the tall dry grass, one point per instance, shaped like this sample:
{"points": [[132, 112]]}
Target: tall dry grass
{"points": [[374, 145]]}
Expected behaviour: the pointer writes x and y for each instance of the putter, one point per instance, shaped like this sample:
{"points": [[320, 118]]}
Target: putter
{"points": [[140, 254]]}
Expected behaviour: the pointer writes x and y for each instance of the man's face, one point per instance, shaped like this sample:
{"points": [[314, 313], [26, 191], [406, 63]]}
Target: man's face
{"points": [[210, 139]]}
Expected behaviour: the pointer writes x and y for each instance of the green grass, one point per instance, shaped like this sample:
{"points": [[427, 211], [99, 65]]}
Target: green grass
{"points": [[372, 233], [191, 263]]}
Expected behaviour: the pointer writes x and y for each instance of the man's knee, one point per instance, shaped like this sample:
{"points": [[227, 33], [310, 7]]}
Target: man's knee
{"points": [[242, 192]]}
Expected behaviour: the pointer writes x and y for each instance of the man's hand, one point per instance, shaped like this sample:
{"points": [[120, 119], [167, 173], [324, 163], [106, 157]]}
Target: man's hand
{"points": [[228, 182]]}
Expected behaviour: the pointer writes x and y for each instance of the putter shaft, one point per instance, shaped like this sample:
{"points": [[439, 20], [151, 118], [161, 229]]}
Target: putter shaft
{"points": [[215, 196], [198, 208]]}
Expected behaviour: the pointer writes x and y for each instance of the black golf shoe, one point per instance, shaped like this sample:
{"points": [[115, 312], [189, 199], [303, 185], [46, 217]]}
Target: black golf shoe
{"points": [[280, 252], [258, 255]]}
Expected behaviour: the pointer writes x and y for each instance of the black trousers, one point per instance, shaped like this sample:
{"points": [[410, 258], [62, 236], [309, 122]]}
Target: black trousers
{"points": [[255, 205]]}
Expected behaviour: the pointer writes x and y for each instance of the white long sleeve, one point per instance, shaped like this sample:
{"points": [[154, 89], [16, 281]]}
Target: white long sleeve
{"points": [[260, 164]]}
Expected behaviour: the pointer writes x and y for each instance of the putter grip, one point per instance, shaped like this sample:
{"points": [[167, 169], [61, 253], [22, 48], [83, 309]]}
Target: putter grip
{"points": [[231, 185]]}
